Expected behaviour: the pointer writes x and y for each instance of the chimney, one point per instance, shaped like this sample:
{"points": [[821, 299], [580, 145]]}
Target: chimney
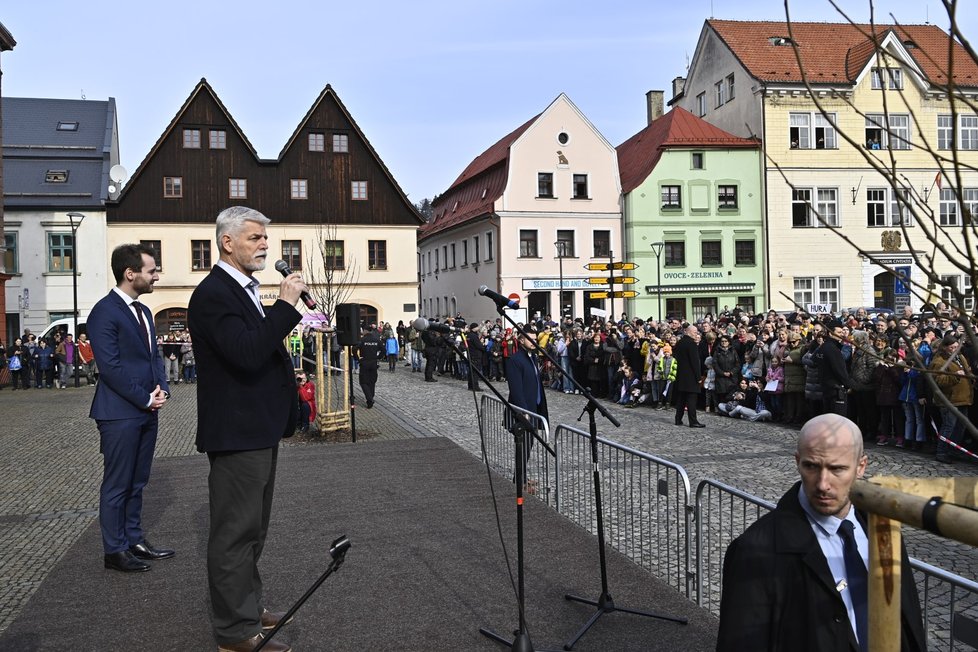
{"points": [[654, 101], [678, 85]]}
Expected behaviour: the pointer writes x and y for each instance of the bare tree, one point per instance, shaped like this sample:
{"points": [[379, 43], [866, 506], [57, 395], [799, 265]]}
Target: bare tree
{"points": [[335, 281]]}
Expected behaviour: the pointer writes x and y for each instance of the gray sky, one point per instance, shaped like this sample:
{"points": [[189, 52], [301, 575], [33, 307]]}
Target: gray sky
{"points": [[432, 84]]}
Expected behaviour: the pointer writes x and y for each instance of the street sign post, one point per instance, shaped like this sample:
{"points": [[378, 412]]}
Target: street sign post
{"points": [[618, 294], [608, 280]]}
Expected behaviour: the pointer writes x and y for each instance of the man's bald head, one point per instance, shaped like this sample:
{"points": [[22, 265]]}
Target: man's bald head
{"points": [[830, 459]]}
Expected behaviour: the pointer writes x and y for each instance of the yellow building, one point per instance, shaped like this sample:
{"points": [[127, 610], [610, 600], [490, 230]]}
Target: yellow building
{"points": [[855, 194]]}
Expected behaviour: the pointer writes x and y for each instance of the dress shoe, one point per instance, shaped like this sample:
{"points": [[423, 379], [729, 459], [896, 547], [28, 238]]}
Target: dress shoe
{"points": [[697, 425], [145, 550], [679, 423], [250, 644], [271, 619], [125, 562]]}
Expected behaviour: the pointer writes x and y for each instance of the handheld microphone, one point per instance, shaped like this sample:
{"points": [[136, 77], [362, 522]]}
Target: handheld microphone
{"points": [[285, 270], [422, 324], [498, 299]]}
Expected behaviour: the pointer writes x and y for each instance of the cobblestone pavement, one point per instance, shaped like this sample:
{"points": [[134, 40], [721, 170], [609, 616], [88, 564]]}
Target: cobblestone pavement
{"points": [[51, 466]]}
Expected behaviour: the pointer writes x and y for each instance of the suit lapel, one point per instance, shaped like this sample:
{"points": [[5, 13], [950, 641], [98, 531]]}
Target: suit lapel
{"points": [[130, 319], [242, 295]]}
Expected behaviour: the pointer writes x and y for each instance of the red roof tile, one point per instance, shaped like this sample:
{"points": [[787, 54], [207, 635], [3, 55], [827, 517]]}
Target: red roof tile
{"points": [[836, 52], [638, 155], [473, 193]]}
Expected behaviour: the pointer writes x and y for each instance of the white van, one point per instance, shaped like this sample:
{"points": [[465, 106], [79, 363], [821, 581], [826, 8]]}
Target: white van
{"points": [[67, 325]]}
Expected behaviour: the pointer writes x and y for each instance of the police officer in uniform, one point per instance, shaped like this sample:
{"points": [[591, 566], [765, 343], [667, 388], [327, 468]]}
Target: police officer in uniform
{"points": [[370, 352]]}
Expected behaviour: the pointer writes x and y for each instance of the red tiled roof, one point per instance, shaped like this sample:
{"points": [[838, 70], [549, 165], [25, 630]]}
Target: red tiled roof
{"points": [[837, 52], [473, 193], [638, 155]]}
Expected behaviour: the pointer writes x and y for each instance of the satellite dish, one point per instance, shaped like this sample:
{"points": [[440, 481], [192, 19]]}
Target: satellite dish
{"points": [[118, 174]]}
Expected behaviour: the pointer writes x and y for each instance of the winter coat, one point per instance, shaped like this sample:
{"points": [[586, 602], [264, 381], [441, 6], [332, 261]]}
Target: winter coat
{"points": [[726, 360], [864, 361], [887, 381], [958, 389], [794, 371], [813, 377], [910, 386]]}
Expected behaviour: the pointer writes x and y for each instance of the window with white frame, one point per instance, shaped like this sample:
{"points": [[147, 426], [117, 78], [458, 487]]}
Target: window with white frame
{"points": [[876, 207], [359, 190], [892, 77], [730, 87], [11, 259], [802, 136], [900, 213], [887, 132], [580, 186], [968, 131], [545, 185], [948, 208], [726, 197], [701, 104], [489, 247], [565, 243], [172, 187], [341, 143], [800, 130], [238, 188], [61, 252], [945, 131], [317, 142], [953, 212], [528, 243], [292, 254], [721, 93], [191, 138], [824, 212], [299, 188], [817, 289], [218, 138], [951, 284], [672, 197], [453, 256], [602, 244]]}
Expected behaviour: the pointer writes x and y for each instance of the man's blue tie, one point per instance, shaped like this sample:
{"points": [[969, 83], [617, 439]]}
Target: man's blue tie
{"points": [[857, 580]]}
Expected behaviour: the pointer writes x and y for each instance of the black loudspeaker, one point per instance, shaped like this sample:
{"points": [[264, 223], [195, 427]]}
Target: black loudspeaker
{"points": [[348, 324]]}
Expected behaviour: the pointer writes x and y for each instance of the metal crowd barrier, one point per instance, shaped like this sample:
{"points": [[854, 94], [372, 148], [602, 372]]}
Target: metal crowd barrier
{"points": [[949, 602], [500, 448], [644, 499], [649, 517]]}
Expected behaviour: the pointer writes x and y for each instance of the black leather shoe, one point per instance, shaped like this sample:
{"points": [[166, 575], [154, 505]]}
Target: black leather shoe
{"points": [[697, 425], [679, 423], [125, 562], [145, 550]]}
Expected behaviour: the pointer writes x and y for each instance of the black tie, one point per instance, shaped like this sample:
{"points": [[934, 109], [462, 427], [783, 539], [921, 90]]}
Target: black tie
{"points": [[857, 579], [142, 323]]}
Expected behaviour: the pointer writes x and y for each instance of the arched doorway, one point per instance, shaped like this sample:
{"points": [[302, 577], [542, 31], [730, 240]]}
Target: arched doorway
{"points": [[884, 285], [170, 320], [368, 315]]}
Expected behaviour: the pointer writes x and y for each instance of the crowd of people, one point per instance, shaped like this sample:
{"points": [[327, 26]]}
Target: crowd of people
{"points": [[49, 363], [783, 367]]}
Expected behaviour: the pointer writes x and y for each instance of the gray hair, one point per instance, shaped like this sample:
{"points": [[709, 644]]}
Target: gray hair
{"points": [[231, 220]]}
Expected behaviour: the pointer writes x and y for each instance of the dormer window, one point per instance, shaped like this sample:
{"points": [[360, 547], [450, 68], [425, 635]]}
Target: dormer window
{"points": [[56, 176], [67, 125], [882, 76], [780, 40]]}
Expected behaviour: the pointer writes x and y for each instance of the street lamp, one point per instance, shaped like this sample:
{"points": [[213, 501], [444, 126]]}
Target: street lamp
{"points": [[74, 286], [657, 250], [561, 251]]}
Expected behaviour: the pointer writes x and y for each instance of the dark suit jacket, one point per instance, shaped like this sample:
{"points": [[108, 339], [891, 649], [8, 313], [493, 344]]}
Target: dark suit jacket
{"points": [[246, 390], [128, 370], [688, 370], [779, 595], [523, 383]]}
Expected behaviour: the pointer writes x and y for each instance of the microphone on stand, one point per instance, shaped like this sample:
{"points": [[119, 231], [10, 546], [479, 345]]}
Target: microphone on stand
{"points": [[422, 324], [498, 299], [285, 270]]}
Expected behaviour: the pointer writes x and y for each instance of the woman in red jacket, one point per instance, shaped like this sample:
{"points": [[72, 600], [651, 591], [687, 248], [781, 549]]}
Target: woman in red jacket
{"points": [[307, 402]]}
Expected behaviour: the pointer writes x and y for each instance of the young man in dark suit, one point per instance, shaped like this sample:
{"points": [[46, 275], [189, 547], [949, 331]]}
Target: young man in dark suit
{"points": [[797, 578], [246, 404], [132, 387]]}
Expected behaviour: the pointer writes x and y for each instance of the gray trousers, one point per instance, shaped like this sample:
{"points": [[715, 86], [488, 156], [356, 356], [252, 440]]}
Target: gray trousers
{"points": [[241, 485]]}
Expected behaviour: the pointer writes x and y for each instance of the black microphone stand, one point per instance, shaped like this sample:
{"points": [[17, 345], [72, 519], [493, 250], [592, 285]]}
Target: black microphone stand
{"points": [[338, 552], [605, 603], [521, 641]]}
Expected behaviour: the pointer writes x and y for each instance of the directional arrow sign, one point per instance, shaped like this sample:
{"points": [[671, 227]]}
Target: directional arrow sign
{"points": [[607, 280], [597, 267], [621, 294], [623, 266]]}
